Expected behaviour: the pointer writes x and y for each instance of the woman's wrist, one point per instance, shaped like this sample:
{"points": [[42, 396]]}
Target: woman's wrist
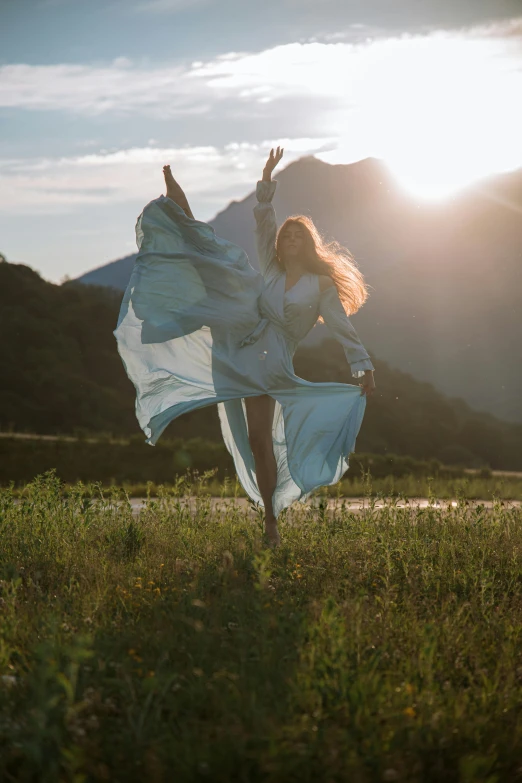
{"points": [[267, 176]]}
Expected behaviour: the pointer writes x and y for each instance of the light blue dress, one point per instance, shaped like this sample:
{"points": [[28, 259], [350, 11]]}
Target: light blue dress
{"points": [[199, 325]]}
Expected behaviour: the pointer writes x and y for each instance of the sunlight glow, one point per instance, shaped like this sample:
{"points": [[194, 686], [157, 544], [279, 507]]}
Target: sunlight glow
{"points": [[443, 111]]}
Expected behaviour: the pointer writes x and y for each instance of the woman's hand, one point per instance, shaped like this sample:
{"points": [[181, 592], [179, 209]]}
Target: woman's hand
{"points": [[368, 384], [273, 160]]}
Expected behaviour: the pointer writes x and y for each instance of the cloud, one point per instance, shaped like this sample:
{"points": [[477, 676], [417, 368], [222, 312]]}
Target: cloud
{"points": [[438, 105], [314, 70], [62, 185], [504, 28], [169, 6]]}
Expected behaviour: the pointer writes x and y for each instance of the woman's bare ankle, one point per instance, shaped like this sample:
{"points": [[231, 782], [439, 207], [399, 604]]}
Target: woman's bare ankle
{"points": [[271, 531]]}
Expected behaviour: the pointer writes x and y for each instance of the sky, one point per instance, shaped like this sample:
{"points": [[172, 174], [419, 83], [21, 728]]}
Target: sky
{"points": [[95, 97]]}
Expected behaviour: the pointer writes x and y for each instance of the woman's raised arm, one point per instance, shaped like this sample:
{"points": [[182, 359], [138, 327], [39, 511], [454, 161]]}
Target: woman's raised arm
{"points": [[175, 192], [266, 223]]}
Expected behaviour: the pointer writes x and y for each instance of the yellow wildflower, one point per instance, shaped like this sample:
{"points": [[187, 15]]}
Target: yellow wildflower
{"points": [[410, 712]]}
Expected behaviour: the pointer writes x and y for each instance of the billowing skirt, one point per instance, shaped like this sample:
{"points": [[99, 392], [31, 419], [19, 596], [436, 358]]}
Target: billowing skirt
{"points": [[190, 335]]}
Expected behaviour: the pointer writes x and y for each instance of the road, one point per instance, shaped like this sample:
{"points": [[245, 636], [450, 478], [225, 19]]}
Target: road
{"points": [[350, 504]]}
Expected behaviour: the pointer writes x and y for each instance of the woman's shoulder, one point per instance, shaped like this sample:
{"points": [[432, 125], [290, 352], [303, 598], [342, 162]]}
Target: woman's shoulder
{"points": [[325, 282]]}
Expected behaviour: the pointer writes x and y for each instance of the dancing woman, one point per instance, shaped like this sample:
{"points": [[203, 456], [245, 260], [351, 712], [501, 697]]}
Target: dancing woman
{"points": [[199, 326]]}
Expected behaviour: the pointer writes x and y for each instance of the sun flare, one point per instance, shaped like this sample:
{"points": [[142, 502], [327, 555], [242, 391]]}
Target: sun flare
{"points": [[442, 110]]}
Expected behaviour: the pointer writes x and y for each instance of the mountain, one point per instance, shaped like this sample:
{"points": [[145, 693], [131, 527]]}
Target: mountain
{"points": [[57, 352], [446, 278], [62, 373], [114, 275]]}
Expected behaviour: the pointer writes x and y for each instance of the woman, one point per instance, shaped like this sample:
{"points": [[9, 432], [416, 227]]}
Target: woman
{"points": [[199, 326]]}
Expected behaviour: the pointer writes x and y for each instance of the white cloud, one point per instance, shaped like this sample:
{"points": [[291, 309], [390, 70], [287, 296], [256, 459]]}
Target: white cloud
{"points": [[62, 185], [169, 6], [340, 71], [505, 28], [438, 105]]}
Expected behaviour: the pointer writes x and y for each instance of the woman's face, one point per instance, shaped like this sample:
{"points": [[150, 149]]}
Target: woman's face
{"points": [[292, 241]]}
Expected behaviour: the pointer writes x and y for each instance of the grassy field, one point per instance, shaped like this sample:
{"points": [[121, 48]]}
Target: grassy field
{"points": [[378, 646], [473, 487]]}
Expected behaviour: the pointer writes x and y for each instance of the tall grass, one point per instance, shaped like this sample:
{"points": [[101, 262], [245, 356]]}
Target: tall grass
{"points": [[378, 646], [472, 487]]}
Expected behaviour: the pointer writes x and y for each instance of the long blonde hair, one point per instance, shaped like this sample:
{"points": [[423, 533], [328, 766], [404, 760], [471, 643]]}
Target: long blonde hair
{"points": [[328, 258]]}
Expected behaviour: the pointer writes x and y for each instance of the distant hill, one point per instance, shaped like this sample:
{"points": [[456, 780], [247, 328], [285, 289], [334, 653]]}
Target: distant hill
{"points": [[62, 373], [114, 275], [446, 300]]}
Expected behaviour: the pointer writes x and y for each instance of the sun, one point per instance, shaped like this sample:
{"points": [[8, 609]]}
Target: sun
{"points": [[442, 111], [439, 179]]}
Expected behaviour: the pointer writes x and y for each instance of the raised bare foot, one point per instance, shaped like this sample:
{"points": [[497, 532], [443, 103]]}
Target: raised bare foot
{"points": [[169, 179]]}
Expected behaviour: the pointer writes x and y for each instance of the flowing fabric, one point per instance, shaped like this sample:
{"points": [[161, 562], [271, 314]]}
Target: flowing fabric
{"points": [[199, 325]]}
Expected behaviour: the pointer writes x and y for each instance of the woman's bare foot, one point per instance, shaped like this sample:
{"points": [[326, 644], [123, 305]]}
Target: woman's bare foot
{"points": [[272, 533], [175, 192], [169, 179]]}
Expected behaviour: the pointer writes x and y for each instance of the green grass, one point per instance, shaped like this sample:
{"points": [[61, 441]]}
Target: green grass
{"points": [[472, 487], [378, 646]]}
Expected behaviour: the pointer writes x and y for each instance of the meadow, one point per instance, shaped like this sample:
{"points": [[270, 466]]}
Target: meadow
{"points": [[383, 645]]}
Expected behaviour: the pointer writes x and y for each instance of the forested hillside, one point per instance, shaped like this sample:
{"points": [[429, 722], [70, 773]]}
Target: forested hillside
{"points": [[61, 373], [58, 356]]}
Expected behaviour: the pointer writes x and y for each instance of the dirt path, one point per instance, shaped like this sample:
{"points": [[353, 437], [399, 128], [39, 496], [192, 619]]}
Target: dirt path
{"points": [[350, 504]]}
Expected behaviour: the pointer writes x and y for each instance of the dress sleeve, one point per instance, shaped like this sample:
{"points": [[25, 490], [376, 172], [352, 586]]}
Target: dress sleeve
{"points": [[266, 228], [337, 321]]}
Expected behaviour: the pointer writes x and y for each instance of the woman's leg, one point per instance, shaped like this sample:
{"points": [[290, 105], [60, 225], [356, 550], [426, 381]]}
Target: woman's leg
{"points": [[260, 418]]}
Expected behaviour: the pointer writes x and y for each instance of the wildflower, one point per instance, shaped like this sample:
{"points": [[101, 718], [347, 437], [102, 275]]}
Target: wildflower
{"points": [[162, 565], [197, 672], [151, 582], [157, 590], [410, 712], [132, 651]]}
